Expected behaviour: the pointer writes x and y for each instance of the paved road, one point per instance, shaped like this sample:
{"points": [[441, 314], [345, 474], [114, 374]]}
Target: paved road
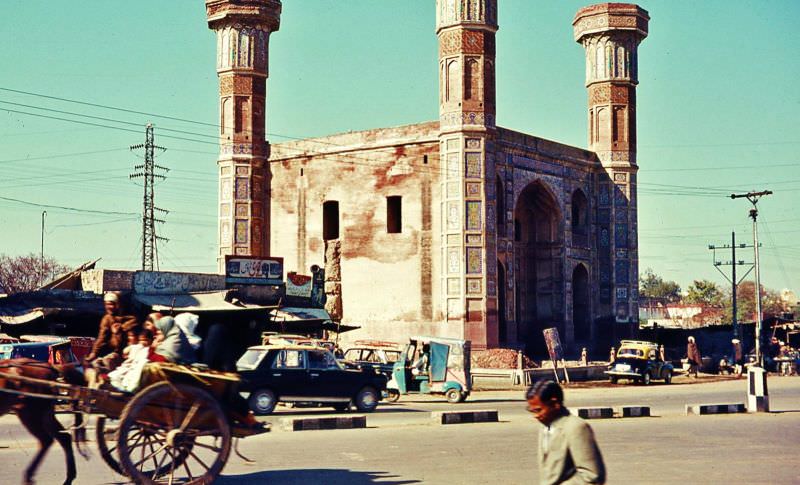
{"points": [[402, 447]]}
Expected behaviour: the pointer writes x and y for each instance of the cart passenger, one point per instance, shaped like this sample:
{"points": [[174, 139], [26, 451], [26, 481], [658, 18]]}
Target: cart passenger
{"points": [[126, 377], [171, 343]]}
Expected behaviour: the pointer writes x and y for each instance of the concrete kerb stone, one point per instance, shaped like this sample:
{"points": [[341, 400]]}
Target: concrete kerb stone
{"points": [[594, 413], [459, 417], [701, 409], [313, 424], [635, 411]]}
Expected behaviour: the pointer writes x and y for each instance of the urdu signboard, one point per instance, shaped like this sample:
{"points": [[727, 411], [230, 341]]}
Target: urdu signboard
{"points": [[252, 270]]}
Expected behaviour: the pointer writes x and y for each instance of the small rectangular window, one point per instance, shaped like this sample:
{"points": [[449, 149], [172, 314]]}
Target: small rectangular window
{"points": [[394, 214], [330, 220]]}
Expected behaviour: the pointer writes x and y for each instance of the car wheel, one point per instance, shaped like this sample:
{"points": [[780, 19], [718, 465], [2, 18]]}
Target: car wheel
{"points": [[342, 407], [392, 395], [668, 377], [453, 396], [367, 400], [646, 379], [262, 401], [612, 380]]}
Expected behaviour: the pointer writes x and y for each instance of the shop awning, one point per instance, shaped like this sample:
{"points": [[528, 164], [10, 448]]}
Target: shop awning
{"points": [[303, 320], [199, 302], [27, 307]]}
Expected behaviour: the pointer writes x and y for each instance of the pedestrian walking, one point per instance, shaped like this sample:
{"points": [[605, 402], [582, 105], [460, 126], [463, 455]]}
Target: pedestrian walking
{"points": [[612, 356], [738, 357], [693, 356], [584, 357], [568, 452]]}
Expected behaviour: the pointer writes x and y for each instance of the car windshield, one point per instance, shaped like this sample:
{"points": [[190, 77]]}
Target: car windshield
{"points": [[250, 359], [630, 352], [392, 355]]}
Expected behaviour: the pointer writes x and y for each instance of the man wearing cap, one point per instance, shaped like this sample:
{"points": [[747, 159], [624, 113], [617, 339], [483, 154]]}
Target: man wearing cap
{"points": [[113, 335]]}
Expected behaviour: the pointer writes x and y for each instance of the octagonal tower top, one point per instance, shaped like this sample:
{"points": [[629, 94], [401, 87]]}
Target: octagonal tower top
{"points": [[471, 13], [606, 17], [264, 13]]}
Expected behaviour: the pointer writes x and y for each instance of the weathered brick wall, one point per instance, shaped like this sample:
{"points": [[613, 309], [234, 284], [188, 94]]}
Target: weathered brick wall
{"points": [[386, 278]]}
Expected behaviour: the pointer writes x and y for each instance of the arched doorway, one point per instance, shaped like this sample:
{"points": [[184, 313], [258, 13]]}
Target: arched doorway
{"points": [[538, 243], [501, 304], [581, 305], [580, 219]]}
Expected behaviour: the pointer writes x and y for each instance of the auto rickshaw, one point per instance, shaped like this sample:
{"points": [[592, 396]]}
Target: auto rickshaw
{"points": [[432, 365]]}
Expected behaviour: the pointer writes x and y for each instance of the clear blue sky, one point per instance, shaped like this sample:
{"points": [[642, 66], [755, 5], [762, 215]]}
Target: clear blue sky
{"points": [[718, 112]]}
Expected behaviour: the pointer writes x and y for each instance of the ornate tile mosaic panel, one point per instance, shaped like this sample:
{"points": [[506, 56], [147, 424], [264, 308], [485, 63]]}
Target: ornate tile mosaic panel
{"points": [[453, 190], [474, 286], [474, 261], [453, 167], [225, 209], [473, 215], [622, 293], [621, 235], [604, 195], [474, 239], [453, 257], [453, 286], [603, 237], [241, 232], [621, 270], [603, 216], [453, 215], [240, 170], [242, 189], [225, 189], [621, 215], [621, 196], [474, 143], [225, 233], [473, 166], [491, 288], [473, 189], [241, 210]]}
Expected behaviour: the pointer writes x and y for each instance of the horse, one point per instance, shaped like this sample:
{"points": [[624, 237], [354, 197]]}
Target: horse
{"points": [[38, 414]]}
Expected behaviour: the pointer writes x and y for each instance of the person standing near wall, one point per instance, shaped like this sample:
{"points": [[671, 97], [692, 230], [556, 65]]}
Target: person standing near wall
{"points": [[568, 452], [693, 356]]}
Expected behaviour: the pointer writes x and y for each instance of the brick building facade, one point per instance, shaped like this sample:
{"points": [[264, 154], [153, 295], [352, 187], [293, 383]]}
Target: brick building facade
{"points": [[455, 227]]}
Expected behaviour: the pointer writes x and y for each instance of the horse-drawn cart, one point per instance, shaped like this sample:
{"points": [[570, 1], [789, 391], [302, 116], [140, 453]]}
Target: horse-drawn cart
{"points": [[178, 428]]}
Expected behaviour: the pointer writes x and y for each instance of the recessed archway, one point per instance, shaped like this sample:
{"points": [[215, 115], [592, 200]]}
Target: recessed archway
{"points": [[539, 277], [581, 304]]}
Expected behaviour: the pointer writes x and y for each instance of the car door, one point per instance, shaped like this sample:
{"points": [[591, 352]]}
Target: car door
{"points": [[325, 378], [288, 372]]}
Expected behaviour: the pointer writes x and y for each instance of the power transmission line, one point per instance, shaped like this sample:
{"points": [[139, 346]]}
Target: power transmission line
{"points": [[149, 236]]}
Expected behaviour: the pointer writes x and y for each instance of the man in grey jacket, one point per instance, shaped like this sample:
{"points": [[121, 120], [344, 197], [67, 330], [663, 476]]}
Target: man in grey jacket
{"points": [[568, 452]]}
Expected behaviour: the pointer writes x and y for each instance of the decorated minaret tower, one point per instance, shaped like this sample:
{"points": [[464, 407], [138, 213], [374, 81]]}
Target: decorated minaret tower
{"points": [[610, 33], [243, 28], [466, 31]]}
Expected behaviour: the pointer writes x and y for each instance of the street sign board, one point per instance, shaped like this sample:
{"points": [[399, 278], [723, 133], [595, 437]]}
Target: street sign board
{"points": [[251, 270], [553, 344]]}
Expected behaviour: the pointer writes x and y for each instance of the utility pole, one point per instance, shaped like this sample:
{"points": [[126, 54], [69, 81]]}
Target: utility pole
{"points": [[41, 258], [149, 237], [753, 197], [733, 263]]}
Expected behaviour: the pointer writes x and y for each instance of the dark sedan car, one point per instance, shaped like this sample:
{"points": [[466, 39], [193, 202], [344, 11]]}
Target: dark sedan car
{"points": [[639, 361], [300, 373]]}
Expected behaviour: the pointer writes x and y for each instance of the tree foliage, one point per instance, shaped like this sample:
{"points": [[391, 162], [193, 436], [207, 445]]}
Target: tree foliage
{"points": [[706, 293], [771, 304], [26, 273], [653, 286]]}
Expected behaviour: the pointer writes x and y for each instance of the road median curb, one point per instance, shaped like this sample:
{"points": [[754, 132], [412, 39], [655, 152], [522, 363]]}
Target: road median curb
{"points": [[594, 413], [459, 417], [635, 411], [314, 424], [701, 409]]}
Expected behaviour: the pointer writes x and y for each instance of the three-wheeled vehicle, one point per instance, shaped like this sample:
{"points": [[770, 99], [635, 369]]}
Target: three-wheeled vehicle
{"points": [[432, 365]]}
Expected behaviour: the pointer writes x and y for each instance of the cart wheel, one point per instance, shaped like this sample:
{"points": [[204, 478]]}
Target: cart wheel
{"points": [[392, 395], [184, 436], [453, 396], [106, 435]]}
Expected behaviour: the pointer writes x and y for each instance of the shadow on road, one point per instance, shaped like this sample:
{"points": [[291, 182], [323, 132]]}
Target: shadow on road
{"points": [[327, 476]]}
